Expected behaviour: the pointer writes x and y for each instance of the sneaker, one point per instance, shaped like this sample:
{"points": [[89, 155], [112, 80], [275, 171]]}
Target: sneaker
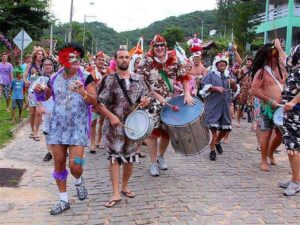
{"points": [[162, 163], [81, 190], [212, 155], [154, 171], [47, 157], [283, 184], [59, 207], [219, 148], [292, 189]]}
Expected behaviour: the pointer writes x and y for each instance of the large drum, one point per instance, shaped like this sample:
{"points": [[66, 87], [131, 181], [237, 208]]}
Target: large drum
{"points": [[185, 126], [278, 117], [138, 125]]}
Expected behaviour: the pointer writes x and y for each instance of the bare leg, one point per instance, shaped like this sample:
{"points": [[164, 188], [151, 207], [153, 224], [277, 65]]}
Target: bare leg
{"points": [[37, 123], [213, 139], [152, 147], [295, 166], [114, 169], [100, 131], [76, 151], [163, 145], [59, 155], [276, 140], [238, 116], [257, 132], [127, 171], [20, 114], [32, 118], [7, 105], [220, 135], [93, 134], [264, 144]]}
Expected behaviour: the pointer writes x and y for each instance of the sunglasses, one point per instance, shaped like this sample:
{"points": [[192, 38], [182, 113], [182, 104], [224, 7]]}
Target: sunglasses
{"points": [[158, 45]]}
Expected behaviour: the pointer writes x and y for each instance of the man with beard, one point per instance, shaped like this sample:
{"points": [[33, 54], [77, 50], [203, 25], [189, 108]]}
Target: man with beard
{"points": [[117, 94], [160, 69]]}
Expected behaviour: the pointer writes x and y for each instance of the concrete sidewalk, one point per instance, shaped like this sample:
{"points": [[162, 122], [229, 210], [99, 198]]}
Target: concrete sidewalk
{"points": [[194, 190]]}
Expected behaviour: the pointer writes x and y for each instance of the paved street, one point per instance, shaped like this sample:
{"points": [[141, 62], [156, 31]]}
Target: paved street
{"points": [[193, 191]]}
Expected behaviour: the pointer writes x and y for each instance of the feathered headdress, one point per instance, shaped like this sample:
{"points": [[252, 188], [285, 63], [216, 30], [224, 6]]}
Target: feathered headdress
{"points": [[71, 52]]}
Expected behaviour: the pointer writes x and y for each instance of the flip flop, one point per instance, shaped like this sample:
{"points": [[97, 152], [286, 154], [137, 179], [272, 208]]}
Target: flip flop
{"points": [[92, 150], [30, 135], [36, 138], [128, 194], [112, 203]]}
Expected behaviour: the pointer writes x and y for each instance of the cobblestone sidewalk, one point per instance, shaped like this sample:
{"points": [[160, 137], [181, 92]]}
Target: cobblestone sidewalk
{"points": [[193, 191]]}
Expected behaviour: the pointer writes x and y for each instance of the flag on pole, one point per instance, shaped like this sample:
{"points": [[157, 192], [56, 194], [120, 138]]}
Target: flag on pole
{"points": [[138, 49], [180, 53]]}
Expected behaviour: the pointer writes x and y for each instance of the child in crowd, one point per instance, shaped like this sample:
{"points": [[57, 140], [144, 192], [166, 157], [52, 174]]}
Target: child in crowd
{"points": [[17, 92]]}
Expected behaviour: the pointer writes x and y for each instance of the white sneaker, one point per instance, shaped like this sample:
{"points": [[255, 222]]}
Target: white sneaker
{"points": [[162, 163], [154, 171], [292, 189]]}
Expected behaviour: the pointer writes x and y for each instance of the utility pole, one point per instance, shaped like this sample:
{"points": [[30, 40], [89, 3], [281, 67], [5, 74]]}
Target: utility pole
{"points": [[202, 31], [70, 23], [84, 20]]}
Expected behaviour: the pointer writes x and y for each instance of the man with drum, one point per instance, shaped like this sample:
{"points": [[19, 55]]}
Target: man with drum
{"points": [[217, 85], [267, 86], [291, 119], [118, 94], [160, 68]]}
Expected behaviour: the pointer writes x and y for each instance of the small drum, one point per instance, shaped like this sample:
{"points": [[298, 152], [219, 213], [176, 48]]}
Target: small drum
{"points": [[187, 133], [138, 125], [278, 118]]}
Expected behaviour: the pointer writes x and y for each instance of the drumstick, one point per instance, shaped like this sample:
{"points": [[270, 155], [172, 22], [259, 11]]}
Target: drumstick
{"points": [[175, 108], [127, 127]]}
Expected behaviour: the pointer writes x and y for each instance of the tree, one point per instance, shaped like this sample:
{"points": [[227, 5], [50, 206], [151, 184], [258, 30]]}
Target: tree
{"points": [[239, 16], [31, 15], [173, 35]]}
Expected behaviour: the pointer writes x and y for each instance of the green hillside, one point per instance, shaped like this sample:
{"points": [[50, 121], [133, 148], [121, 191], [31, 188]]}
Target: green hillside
{"points": [[100, 36]]}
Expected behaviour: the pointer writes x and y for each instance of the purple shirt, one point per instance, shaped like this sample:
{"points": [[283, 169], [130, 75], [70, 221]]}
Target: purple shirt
{"points": [[5, 71]]}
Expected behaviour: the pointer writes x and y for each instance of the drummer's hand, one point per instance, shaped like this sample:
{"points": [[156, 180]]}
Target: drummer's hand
{"points": [[274, 104], [218, 89], [188, 99], [144, 102], [289, 106], [114, 121]]}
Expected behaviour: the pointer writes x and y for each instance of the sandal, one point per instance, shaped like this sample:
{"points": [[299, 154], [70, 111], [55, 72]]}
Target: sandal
{"points": [[93, 150], [99, 146], [128, 194], [37, 138], [141, 155], [30, 135], [112, 203]]}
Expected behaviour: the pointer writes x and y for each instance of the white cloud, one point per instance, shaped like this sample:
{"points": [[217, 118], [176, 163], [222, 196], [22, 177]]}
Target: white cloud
{"points": [[127, 15]]}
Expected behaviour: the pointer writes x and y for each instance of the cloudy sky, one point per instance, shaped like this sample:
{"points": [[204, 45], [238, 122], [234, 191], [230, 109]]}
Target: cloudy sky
{"points": [[126, 15]]}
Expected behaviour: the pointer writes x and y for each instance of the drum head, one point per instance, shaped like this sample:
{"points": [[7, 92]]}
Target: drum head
{"points": [[136, 125], [278, 116], [185, 115]]}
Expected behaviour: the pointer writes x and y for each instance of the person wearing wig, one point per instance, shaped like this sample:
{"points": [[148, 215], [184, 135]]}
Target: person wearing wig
{"points": [[217, 87], [73, 92], [267, 86], [160, 68], [291, 118]]}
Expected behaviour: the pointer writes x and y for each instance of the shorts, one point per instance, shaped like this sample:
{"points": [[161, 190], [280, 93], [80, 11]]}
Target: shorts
{"points": [[32, 100], [257, 111], [220, 127], [95, 116], [158, 132], [291, 130], [6, 91], [266, 124], [17, 102]]}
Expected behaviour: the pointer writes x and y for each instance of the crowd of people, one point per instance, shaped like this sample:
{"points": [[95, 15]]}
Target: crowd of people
{"points": [[86, 105]]}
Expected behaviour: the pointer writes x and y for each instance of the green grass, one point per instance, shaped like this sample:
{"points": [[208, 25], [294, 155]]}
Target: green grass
{"points": [[5, 122]]}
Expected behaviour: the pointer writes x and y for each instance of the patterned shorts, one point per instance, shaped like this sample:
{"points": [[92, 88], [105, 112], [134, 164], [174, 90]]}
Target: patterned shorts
{"points": [[291, 131], [6, 91]]}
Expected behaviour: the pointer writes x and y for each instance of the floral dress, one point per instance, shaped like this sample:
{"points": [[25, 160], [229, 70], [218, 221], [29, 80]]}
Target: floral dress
{"points": [[69, 123], [150, 68], [111, 95]]}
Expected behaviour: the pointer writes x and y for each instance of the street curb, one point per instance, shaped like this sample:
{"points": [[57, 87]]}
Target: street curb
{"points": [[19, 127]]}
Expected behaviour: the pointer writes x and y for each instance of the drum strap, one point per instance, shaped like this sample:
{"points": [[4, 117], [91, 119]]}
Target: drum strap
{"points": [[124, 90], [164, 75]]}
